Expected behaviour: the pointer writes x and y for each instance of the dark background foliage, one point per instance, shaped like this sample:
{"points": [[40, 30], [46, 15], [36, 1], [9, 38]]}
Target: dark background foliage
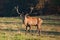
{"points": [[41, 7]]}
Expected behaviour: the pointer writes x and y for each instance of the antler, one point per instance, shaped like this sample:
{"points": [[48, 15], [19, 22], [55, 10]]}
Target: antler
{"points": [[31, 9], [17, 9]]}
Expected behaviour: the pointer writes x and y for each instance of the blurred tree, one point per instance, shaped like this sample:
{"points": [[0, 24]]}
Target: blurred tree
{"points": [[40, 6], [54, 7]]}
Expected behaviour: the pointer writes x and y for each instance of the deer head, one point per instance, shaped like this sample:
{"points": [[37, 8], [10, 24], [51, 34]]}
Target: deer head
{"points": [[22, 14], [31, 9]]}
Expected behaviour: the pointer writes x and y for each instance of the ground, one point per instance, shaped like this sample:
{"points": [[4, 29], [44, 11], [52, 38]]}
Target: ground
{"points": [[11, 28]]}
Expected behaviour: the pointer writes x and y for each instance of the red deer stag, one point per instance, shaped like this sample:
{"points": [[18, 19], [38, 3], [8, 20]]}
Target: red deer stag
{"points": [[30, 21]]}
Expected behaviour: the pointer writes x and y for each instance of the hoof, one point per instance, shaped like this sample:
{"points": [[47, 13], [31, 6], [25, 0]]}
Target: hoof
{"points": [[32, 34]]}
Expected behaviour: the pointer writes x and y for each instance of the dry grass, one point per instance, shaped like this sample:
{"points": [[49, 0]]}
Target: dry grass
{"points": [[9, 31], [9, 35]]}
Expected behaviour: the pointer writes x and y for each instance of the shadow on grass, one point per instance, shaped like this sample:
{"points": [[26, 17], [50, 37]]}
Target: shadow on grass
{"points": [[21, 23], [43, 32], [33, 31], [8, 30], [11, 22]]}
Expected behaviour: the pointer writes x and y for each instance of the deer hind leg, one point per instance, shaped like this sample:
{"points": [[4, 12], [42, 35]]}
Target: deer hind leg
{"points": [[39, 30]]}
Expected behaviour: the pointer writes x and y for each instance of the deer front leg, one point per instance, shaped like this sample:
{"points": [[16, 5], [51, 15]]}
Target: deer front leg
{"points": [[26, 30], [30, 29]]}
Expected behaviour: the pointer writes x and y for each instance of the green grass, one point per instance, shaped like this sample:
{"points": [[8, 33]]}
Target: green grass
{"points": [[9, 19], [15, 36], [9, 29], [18, 20], [50, 17]]}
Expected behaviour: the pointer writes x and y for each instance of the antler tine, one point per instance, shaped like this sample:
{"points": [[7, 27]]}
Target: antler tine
{"points": [[31, 9], [17, 9]]}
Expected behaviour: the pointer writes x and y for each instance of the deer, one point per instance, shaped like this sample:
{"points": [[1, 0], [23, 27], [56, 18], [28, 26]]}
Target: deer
{"points": [[29, 21]]}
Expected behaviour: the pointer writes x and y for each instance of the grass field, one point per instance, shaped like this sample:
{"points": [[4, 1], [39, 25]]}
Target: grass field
{"points": [[9, 29]]}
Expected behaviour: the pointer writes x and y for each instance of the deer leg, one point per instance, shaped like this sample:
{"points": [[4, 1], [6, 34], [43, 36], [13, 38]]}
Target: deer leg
{"points": [[36, 30], [26, 30], [30, 29], [39, 31]]}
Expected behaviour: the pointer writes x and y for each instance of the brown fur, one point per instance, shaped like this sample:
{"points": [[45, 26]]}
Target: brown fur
{"points": [[33, 21], [30, 21]]}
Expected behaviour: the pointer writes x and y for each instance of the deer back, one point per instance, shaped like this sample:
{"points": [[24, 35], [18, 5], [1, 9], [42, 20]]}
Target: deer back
{"points": [[32, 20]]}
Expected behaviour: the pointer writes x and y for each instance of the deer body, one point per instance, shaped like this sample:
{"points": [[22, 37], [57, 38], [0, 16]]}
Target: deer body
{"points": [[31, 21]]}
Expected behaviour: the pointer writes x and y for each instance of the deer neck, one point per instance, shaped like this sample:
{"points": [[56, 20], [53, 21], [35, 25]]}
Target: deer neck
{"points": [[24, 19]]}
